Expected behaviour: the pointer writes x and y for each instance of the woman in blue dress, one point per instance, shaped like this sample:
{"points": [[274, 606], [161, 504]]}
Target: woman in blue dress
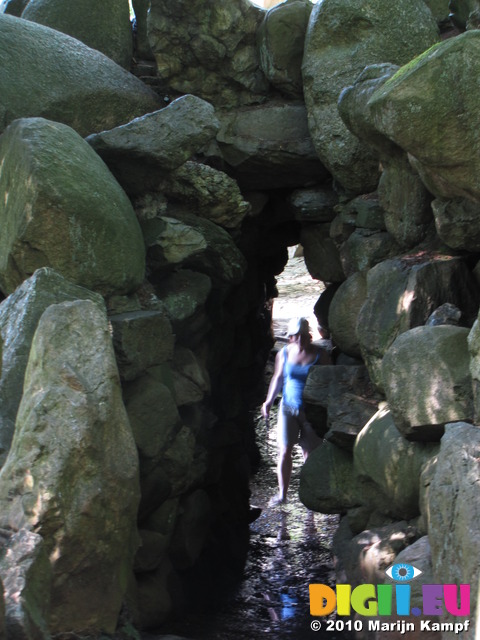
{"points": [[292, 365]]}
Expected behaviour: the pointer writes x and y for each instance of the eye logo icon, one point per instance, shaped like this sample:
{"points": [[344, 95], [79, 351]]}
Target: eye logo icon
{"points": [[402, 572]]}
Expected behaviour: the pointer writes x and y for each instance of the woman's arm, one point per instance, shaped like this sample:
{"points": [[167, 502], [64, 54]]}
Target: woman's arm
{"points": [[276, 384]]}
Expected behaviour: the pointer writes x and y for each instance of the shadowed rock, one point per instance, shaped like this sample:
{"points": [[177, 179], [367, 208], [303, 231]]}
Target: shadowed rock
{"points": [[269, 146], [104, 26], [27, 579]]}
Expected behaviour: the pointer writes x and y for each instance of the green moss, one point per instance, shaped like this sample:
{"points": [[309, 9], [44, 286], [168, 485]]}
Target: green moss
{"points": [[412, 64]]}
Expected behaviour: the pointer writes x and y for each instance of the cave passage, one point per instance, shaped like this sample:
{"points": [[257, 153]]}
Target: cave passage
{"points": [[290, 546]]}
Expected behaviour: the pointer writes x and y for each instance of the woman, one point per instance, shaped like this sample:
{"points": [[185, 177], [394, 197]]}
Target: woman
{"points": [[292, 365]]}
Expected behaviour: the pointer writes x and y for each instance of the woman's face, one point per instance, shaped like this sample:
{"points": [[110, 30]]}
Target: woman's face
{"points": [[302, 339]]}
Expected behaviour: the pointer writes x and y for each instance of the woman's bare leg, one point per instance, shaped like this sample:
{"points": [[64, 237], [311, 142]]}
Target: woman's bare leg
{"points": [[284, 472]]}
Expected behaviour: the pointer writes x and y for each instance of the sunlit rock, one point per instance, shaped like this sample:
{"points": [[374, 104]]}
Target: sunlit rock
{"points": [[343, 314], [72, 471], [60, 207], [343, 38], [427, 380], [407, 290], [419, 107], [26, 579], [388, 467], [19, 316]]}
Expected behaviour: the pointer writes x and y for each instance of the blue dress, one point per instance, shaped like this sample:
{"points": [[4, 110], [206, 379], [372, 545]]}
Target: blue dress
{"points": [[294, 379]]}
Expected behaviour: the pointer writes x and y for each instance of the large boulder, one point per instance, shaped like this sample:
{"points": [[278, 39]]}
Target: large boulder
{"points": [[327, 481], [191, 242], [408, 290], [207, 47], [269, 146], [406, 201], [365, 556], [154, 418], [19, 316], [364, 248], [345, 394], [454, 510], [13, 7], [313, 204], [321, 254], [418, 109], [388, 467], [205, 191], [440, 8], [456, 222], [354, 106], [141, 339], [72, 471], [342, 38], [427, 382], [60, 207], [403, 196], [160, 141], [343, 313], [64, 80], [103, 26], [280, 39], [374, 559]]}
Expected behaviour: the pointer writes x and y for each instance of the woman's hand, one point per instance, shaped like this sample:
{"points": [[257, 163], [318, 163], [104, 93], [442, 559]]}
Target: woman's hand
{"points": [[266, 410]]}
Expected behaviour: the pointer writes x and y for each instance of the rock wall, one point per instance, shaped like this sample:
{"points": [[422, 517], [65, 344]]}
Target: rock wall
{"points": [[145, 217]]}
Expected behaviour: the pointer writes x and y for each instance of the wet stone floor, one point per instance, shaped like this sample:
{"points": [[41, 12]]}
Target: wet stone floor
{"points": [[289, 549]]}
